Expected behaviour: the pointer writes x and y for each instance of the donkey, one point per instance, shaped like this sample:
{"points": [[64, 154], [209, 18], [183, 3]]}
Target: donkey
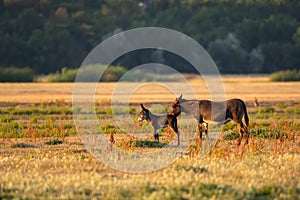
{"points": [[159, 121], [201, 110]]}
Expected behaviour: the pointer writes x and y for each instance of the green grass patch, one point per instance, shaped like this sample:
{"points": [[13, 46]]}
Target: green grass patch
{"points": [[231, 136], [228, 126], [281, 105], [6, 119], [266, 110], [148, 144], [293, 111], [111, 129]]}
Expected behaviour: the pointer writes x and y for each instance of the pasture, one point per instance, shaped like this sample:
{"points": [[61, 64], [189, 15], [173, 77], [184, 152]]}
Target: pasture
{"points": [[42, 155]]}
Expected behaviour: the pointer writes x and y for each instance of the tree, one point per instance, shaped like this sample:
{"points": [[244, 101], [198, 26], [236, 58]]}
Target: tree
{"points": [[228, 54]]}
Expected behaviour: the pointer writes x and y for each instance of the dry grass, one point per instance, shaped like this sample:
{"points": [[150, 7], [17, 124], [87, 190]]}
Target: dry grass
{"points": [[57, 166], [243, 87], [68, 171]]}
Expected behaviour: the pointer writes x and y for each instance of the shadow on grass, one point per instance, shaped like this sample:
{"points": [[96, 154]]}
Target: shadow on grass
{"points": [[148, 144], [22, 145]]}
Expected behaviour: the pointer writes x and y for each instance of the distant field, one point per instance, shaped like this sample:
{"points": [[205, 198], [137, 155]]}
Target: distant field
{"points": [[42, 155], [235, 87]]}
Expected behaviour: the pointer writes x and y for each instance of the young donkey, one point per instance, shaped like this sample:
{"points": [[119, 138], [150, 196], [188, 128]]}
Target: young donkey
{"points": [[201, 110], [159, 121]]}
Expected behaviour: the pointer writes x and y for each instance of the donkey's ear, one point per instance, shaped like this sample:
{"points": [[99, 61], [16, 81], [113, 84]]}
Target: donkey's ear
{"points": [[143, 107], [180, 97]]}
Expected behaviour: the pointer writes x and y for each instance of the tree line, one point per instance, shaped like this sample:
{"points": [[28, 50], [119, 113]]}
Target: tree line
{"points": [[245, 36]]}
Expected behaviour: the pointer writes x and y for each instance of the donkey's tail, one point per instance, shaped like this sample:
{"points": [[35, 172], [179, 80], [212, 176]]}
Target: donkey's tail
{"points": [[245, 114]]}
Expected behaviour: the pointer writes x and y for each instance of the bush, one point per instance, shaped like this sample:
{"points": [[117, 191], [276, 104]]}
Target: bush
{"points": [[66, 75], [14, 74], [112, 73], [287, 75]]}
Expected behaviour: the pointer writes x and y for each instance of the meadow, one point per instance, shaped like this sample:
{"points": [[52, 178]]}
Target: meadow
{"points": [[42, 155]]}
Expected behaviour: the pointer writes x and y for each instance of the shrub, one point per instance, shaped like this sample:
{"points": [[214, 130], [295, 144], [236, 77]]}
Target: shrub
{"points": [[65, 75], [14, 74], [287, 75], [112, 73]]}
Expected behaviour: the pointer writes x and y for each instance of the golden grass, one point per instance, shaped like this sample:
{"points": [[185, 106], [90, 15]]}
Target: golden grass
{"points": [[67, 171], [246, 88], [265, 168]]}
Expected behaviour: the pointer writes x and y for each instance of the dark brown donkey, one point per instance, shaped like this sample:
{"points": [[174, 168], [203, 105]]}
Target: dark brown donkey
{"points": [[201, 110], [159, 121]]}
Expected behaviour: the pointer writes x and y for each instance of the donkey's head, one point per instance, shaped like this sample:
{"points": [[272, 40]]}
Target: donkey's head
{"points": [[144, 114], [176, 109]]}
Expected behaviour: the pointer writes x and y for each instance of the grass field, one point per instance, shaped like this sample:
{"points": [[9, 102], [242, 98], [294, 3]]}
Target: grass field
{"points": [[42, 155]]}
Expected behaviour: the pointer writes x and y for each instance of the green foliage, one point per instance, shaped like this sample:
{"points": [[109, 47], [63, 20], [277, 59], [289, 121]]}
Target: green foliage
{"points": [[112, 73], [148, 144], [287, 75], [228, 126], [294, 111], [6, 119], [266, 110], [111, 129], [231, 136], [65, 75], [242, 36], [281, 105], [267, 192], [14, 74]]}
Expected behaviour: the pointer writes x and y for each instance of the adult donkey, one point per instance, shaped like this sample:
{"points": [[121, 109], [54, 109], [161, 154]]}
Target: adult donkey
{"points": [[159, 121], [201, 110]]}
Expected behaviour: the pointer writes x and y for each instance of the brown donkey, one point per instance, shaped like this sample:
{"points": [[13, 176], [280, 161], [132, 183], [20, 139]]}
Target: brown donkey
{"points": [[159, 121], [201, 110]]}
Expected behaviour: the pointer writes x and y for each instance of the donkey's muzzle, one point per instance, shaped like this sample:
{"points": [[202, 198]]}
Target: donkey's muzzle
{"points": [[140, 119]]}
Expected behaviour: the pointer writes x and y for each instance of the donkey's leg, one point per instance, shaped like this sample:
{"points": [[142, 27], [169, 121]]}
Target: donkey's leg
{"points": [[245, 129], [206, 130], [156, 137], [178, 138], [175, 128], [241, 132], [200, 129]]}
